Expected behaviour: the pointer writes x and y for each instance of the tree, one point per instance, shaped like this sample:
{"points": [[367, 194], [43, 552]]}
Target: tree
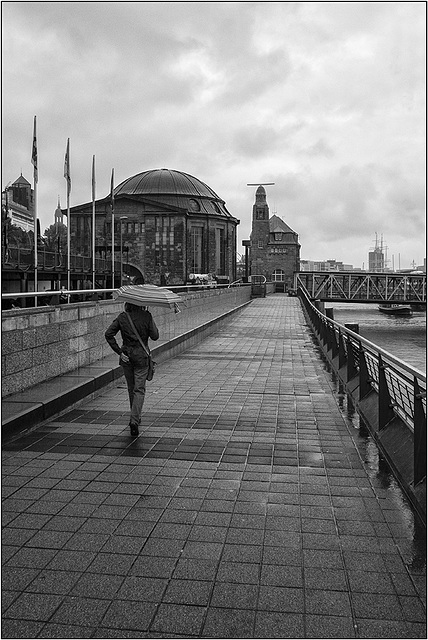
{"points": [[15, 236], [55, 238]]}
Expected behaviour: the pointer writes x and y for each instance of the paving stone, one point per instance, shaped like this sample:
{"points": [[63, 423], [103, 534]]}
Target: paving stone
{"points": [[33, 606], [222, 623], [270, 624], [97, 585], [53, 630], [244, 509], [17, 578], [326, 602], [53, 582], [181, 619], [21, 628], [284, 599], [243, 596], [129, 614], [329, 626]]}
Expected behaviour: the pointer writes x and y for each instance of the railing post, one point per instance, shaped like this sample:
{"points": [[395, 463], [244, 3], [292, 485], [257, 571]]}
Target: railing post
{"points": [[332, 342], [420, 435], [351, 369], [324, 332], [364, 381], [342, 352], [386, 413]]}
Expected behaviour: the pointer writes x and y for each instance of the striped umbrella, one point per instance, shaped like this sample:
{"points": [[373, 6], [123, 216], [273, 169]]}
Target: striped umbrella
{"points": [[147, 295]]}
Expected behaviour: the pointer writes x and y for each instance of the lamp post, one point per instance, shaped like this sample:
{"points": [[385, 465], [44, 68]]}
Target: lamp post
{"points": [[121, 249]]}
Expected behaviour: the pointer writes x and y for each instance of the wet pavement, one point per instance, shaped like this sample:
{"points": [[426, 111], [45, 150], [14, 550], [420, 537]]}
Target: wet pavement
{"points": [[252, 505]]}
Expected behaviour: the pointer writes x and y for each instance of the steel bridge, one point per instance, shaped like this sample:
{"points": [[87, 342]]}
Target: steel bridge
{"points": [[363, 286]]}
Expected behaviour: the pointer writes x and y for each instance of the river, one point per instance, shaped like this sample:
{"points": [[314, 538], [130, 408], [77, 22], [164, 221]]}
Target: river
{"points": [[403, 336]]}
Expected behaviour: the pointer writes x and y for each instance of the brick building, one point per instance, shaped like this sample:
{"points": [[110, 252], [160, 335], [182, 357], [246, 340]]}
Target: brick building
{"points": [[18, 203], [173, 225], [274, 247]]}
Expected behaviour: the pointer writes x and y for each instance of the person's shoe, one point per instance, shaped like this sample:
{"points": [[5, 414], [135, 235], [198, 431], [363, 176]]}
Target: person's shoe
{"points": [[134, 429]]}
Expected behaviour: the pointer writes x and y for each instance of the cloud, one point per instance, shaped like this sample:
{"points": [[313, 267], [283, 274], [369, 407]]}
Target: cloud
{"points": [[327, 100]]}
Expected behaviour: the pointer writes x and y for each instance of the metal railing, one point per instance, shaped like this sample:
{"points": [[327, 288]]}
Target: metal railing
{"points": [[363, 287], [401, 388], [63, 296], [23, 258]]}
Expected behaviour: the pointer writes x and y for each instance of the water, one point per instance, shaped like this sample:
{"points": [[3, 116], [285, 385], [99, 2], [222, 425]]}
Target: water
{"points": [[402, 336]]}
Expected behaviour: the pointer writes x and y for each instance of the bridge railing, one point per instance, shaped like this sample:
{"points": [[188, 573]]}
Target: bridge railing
{"points": [[54, 297], [363, 286], [401, 388]]}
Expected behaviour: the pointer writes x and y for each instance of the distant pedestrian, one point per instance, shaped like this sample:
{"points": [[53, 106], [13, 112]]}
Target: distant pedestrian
{"points": [[133, 357]]}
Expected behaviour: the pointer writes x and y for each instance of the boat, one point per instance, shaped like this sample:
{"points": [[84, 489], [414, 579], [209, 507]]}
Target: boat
{"points": [[396, 309]]}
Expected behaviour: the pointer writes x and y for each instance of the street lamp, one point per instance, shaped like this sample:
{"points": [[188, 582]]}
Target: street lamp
{"points": [[121, 250]]}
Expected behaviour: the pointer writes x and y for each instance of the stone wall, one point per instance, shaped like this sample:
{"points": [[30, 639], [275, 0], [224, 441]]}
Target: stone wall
{"points": [[46, 342]]}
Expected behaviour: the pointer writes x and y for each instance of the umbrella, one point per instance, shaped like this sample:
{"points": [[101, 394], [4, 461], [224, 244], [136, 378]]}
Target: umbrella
{"points": [[147, 295]]}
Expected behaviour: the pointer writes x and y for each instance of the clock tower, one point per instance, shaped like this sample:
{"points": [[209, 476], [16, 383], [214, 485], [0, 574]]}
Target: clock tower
{"points": [[259, 234]]}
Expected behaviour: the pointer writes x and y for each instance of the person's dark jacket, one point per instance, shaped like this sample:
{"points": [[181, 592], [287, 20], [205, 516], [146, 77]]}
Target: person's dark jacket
{"points": [[131, 347]]}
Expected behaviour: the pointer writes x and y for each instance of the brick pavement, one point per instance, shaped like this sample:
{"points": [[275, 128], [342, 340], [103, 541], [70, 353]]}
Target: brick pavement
{"points": [[249, 507]]}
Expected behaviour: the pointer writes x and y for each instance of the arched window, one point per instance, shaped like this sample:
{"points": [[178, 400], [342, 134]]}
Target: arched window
{"points": [[278, 275], [194, 205]]}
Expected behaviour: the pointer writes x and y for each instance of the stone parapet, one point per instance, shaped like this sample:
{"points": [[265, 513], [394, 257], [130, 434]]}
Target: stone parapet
{"points": [[40, 344]]}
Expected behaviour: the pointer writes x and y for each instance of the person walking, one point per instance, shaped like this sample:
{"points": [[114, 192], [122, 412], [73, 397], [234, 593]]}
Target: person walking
{"points": [[133, 357]]}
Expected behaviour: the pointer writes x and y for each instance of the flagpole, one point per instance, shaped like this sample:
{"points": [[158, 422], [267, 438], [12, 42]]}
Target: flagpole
{"points": [[93, 222], [36, 179], [112, 228], [68, 179]]}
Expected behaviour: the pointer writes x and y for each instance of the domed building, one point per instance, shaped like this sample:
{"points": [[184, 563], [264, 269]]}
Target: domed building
{"points": [[169, 223]]}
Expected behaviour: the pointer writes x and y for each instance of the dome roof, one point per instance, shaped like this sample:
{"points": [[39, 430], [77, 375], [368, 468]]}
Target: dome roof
{"points": [[158, 182]]}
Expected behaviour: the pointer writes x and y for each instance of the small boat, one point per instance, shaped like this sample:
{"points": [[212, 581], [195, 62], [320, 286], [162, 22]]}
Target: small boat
{"points": [[396, 309]]}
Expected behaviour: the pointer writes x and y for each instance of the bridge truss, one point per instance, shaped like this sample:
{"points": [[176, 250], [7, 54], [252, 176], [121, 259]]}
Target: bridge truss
{"points": [[362, 286]]}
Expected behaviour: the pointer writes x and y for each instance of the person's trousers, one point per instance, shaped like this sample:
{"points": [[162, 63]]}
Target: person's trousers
{"points": [[136, 377]]}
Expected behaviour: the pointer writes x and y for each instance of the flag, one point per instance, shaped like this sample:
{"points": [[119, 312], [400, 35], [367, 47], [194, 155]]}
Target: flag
{"points": [[111, 189], [67, 167], [34, 153], [93, 179]]}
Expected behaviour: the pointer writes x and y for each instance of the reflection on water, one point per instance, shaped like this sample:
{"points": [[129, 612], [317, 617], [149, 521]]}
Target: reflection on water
{"points": [[414, 533]]}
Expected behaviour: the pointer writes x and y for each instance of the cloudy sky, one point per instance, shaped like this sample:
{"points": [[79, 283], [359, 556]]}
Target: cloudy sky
{"points": [[326, 100]]}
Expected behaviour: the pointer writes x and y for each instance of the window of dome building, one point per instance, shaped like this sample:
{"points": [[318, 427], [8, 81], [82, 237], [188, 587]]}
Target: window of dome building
{"points": [[196, 240], [278, 275], [216, 207], [194, 205]]}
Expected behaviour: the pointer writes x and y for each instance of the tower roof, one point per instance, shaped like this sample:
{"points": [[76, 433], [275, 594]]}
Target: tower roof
{"points": [[22, 180], [277, 225]]}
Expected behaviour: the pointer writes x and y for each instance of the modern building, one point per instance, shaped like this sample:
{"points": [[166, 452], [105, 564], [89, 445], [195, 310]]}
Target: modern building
{"points": [[377, 260], [18, 203], [274, 250], [325, 265], [167, 225]]}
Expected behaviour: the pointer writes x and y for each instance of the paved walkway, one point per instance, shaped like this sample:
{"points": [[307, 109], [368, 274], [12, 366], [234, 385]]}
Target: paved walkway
{"points": [[249, 507]]}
